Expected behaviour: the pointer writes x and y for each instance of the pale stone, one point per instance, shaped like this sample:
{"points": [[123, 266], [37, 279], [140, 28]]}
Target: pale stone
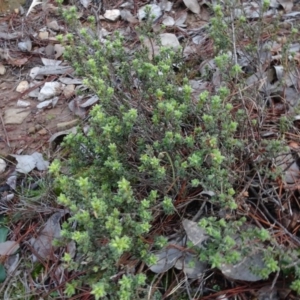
{"points": [[50, 89], [2, 70], [22, 86], [44, 104], [53, 25], [31, 130], [112, 14], [44, 35], [43, 131], [15, 115], [22, 103]]}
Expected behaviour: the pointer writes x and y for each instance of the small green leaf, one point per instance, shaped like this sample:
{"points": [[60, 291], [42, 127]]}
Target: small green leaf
{"points": [[2, 273], [3, 234]]}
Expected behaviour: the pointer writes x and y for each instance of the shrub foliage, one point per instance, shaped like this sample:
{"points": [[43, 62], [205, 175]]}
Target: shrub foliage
{"points": [[152, 144]]}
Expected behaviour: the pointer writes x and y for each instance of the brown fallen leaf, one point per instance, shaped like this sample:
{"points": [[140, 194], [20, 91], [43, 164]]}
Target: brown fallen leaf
{"points": [[17, 62]]}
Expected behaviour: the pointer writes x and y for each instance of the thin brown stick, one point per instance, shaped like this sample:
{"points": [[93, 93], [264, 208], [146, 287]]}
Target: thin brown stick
{"points": [[5, 132]]}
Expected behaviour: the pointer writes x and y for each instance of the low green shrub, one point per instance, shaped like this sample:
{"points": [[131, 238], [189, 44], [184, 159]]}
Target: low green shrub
{"points": [[149, 141], [147, 137]]}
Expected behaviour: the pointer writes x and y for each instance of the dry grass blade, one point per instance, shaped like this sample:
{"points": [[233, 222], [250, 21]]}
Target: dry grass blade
{"points": [[33, 4]]}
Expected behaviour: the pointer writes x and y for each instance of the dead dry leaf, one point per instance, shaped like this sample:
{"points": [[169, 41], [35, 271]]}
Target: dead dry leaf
{"points": [[2, 69], [8, 247], [85, 3], [155, 11], [286, 4], [4, 54], [43, 243], [12, 263], [67, 80], [166, 5], [289, 167], [50, 62], [192, 5], [67, 125], [195, 233], [75, 108], [126, 15], [17, 62], [33, 4], [68, 91], [10, 36], [90, 101], [53, 25], [25, 45], [166, 259], [49, 70], [48, 103], [191, 266], [169, 40], [181, 20], [243, 270], [168, 21]]}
